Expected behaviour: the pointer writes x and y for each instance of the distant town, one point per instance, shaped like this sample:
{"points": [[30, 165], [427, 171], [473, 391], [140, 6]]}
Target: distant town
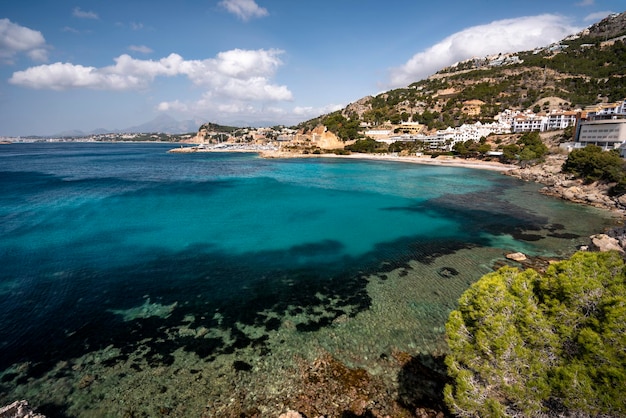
{"points": [[603, 125]]}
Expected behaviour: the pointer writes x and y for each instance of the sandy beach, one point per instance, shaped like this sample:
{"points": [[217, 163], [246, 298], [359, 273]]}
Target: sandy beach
{"points": [[439, 161], [447, 161]]}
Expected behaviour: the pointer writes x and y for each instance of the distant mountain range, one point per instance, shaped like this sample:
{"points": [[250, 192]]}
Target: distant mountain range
{"points": [[160, 124]]}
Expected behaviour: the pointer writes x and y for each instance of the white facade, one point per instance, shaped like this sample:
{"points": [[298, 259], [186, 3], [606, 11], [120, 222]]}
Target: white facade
{"points": [[445, 139], [530, 123], [561, 120], [607, 110]]}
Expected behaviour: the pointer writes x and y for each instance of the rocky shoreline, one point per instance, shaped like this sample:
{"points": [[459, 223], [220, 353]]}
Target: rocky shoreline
{"points": [[567, 187]]}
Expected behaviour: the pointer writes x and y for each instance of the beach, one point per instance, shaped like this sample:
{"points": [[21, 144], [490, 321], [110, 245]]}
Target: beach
{"points": [[448, 161]]}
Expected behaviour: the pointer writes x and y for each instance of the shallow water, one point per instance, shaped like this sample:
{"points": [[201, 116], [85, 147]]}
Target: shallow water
{"points": [[137, 282]]}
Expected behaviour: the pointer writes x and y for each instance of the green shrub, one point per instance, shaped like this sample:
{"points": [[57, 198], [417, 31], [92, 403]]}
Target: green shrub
{"points": [[367, 145], [592, 164], [523, 344]]}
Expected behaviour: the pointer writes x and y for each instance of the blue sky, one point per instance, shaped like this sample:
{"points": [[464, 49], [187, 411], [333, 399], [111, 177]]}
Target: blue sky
{"points": [[86, 65]]}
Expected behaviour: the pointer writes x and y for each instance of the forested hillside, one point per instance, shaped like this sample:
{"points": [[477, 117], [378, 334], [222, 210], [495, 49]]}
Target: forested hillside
{"points": [[581, 70]]}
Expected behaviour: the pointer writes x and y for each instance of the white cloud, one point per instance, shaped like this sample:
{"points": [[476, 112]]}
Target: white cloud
{"points": [[141, 49], [584, 3], [81, 14], [70, 29], [254, 89], [127, 74], [136, 25], [16, 39], [175, 105], [243, 75], [244, 9], [597, 16], [509, 35], [312, 112]]}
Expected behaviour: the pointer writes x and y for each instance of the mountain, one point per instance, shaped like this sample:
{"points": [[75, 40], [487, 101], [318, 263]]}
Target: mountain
{"points": [[581, 70], [160, 124], [165, 124]]}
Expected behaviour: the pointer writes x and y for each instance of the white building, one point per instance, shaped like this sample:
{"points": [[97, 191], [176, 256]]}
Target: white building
{"points": [[529, 123], [561, 120], [447, 138], [605, 111], [605, 126], [606, 133]]}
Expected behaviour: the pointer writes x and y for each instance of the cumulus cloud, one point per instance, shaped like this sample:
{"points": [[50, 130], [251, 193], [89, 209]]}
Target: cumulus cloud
{"points": [[237, 74], [16, 39], [244, 9], [140, 48], [508, 35], [82, 14], [175, 105]]}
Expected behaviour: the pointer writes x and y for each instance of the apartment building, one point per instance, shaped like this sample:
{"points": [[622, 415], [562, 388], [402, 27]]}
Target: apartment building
{"points": [[604, 125], [606, 133]]}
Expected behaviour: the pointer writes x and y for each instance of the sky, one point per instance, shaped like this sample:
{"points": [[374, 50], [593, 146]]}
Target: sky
{"points": [[89, 64]]}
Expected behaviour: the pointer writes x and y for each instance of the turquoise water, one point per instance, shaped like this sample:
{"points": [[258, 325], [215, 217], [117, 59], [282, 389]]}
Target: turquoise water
{"points": [[145, 260]]}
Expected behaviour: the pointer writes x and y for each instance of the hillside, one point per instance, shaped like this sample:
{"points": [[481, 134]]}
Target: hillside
{"points": [[581, 70]]}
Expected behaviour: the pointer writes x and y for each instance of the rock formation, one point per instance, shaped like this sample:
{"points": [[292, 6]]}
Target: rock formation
{"points": [[567, 187], [19, 409]]}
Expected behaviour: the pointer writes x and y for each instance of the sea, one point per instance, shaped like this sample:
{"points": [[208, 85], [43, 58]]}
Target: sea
{"points": [[137, 282]]}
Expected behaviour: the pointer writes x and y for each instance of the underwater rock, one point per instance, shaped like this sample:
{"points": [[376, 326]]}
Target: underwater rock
{"points": [[448, 272], [516, 256]]}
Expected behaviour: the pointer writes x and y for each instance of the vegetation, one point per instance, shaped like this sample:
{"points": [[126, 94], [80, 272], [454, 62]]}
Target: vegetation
{"points": [[214, 127], [471, 148], [367, 145], [345, 128], [528, 148], [523, 344], [409, 147], [593, 164], [581, 71]]}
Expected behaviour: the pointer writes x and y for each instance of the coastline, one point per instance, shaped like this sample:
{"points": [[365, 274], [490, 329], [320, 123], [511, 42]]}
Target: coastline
{"points": [[427, 160], [548, 173], [446, 161]]}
